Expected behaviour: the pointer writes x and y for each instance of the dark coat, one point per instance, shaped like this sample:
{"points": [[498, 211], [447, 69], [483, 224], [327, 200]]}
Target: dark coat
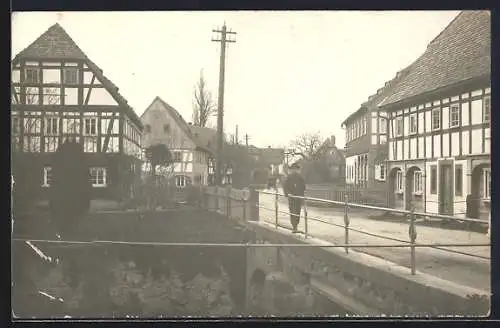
{"points": [[294, 184]]}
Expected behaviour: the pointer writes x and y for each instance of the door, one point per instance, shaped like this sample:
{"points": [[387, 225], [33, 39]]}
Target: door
{"points": [[446, 189]]}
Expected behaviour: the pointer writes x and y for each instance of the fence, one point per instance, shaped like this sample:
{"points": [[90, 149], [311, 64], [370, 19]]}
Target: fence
{"points": [[357, 193], [226, 200]]}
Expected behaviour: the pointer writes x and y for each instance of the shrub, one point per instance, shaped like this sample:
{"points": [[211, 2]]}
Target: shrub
{"points": [[70, 188]]}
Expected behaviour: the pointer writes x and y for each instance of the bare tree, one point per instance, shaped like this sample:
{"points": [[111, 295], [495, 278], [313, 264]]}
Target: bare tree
{"points": [[203, 104], [307, 145]]}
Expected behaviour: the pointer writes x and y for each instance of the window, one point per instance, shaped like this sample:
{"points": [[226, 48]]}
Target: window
{"points": [[71, 125], [399, 181], [486, 183], [147, 128], [382, 172], [486, 109], [433, 179], [417, 182], [181, 181], [90, 126], [436, 119], [166, 128], [51, 126], [177, 156], [113, 144], [365, 125], [71, 75], [454, 115], [32, 124], [31, 144], [399, 126], [355, 130], [31, 75], [47, 176], [51, 144], [90, 144], [413, 123], [458, 180], [98, 176], [382, 125]]}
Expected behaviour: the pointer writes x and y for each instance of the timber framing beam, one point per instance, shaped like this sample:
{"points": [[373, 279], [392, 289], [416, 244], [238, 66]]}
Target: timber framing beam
{"points": [[87, 97]]}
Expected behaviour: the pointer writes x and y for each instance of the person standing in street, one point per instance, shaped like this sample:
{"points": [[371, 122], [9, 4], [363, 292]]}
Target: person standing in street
{"points": [[294, 186]]}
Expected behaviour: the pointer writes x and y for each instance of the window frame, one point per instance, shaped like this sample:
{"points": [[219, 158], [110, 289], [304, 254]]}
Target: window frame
{"points": [[47, 171], [399, 181], [412, 129], [86, 121], [71, 69], [433, 117], [382, 172], [104, 172], [487, 118], [399, 126], [32, 69], [417, 182], [179, 179], [177, 156], [455, 110]]}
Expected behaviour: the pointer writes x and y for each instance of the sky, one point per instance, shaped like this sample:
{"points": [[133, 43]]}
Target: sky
{"points": [[288, 73]]}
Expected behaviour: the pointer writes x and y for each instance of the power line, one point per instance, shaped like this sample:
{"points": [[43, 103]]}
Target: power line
{"points": [[220, 103]]}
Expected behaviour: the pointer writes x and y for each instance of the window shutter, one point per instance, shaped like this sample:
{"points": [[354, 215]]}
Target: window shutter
{"points": [[377, 172]]}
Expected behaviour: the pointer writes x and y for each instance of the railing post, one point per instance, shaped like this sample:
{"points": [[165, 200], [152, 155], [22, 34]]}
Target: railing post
{"points": [[306, 230], [228, 201], [412, 231], [216, 200], [346, 221], [244, 210], [276, 208]]}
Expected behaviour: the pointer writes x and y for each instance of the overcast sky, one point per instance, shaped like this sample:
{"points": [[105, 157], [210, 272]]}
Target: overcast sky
{"points": [[288, 72]]}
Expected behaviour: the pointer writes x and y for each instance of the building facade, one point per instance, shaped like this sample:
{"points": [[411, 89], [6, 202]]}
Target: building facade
{"points": [[164, 125], [439, 128], [366, 145], [58, 93]]}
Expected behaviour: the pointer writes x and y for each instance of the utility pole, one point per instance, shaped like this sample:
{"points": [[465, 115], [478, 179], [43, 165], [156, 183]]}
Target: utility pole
{"points": [[220, 103], [246, 139], [237, 141]]}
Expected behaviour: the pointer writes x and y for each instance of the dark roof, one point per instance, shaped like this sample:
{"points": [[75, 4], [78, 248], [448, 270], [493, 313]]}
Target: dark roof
{"points": [[181, 122], [382, 93], [272, 155], [461, 52], [205, 136], [56, 44]]}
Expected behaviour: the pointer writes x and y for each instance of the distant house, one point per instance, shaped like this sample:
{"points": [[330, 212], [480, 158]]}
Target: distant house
{"points": [[269, 163], [58, 93], [439, 129], [192, 156], [329, 166]]}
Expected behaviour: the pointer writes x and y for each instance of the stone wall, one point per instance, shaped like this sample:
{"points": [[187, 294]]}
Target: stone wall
{"points": [[357, 283]]}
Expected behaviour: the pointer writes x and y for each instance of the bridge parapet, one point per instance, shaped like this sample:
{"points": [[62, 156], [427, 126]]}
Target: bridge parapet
{"points": [[353, 283]]}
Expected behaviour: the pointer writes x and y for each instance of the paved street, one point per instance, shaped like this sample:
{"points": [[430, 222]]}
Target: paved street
{"points": [[466, 270]]}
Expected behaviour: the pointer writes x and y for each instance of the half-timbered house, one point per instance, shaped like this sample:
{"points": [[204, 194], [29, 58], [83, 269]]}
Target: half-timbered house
{"points": [[59, 93], [192, 156], [439, 131]]}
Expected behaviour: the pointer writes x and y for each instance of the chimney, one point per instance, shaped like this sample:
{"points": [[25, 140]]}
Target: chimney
{"points": [[332, 141]]}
